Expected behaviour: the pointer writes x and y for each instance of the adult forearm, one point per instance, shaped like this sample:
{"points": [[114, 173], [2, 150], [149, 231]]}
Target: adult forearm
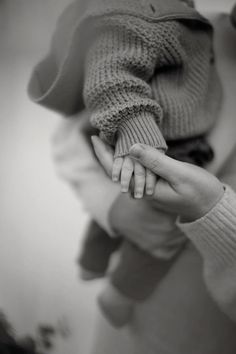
{"points": [[214, 235]]}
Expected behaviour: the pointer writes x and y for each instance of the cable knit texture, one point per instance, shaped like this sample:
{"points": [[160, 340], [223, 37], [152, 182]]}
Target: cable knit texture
{"points": [[144, 70]]}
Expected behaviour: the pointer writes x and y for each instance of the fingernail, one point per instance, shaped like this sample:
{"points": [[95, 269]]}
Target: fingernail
{"points": [[93, 138], [149, 191], [124, 189], [137, 150], [114, 178], [138, 194]]}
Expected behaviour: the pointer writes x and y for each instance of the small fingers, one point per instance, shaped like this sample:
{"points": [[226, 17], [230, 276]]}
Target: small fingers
{"points": [[151, 180], [139, 180], [126, 174], [155, 160], [116, 169]]}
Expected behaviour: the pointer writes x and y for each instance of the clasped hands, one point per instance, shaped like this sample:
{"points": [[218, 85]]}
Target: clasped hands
{"points": [[181, 188]]}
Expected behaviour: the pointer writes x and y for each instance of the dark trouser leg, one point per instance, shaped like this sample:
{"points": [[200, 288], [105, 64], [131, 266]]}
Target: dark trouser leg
{"points": [[138, 272], [97, 249]]}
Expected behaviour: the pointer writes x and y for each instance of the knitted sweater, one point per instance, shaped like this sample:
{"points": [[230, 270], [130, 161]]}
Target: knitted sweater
{"points": [[214, 235], [132, 64]]}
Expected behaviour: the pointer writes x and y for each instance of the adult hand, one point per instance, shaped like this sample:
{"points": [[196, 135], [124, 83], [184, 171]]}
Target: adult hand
{"points": [[185, 189], [144, 225], [149, 228]]}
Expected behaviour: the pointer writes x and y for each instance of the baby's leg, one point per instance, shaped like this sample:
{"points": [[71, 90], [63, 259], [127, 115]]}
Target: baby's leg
{"points": [[131, 172], [96, 251], [134, 280]]}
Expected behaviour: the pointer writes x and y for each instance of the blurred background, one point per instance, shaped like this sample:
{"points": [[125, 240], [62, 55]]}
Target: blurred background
{"points": [[41, 222]]}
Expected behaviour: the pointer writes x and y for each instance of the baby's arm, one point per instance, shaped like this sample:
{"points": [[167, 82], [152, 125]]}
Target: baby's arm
{"points": [[119, 66], [120, 63]]}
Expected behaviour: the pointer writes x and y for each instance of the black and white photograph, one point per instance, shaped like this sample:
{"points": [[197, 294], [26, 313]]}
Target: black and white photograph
{"points": [[118, 140]]}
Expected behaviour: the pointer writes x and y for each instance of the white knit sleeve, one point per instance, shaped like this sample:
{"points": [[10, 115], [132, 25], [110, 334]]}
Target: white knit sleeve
{"points": [[214, 235], [75, 163]]}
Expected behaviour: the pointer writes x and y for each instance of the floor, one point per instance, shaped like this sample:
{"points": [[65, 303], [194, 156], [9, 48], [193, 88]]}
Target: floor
{"points": [[39, 238]]}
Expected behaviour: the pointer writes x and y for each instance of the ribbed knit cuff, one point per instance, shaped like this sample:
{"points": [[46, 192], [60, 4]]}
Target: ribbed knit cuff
{"points": [[214, 235], [142, 129]]}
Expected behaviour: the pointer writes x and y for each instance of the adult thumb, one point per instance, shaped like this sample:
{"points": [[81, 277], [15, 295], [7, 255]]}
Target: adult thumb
{"points": [[157, 162]]}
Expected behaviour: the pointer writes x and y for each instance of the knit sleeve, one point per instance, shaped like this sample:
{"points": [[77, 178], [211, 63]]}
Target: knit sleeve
{"points": [[74, 162], [214, 235], [119, 65]]}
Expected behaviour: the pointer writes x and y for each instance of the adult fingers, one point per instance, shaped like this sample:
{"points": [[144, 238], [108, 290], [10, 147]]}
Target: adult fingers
{"points": [[104, 154], [165, 195], [171, 170]]}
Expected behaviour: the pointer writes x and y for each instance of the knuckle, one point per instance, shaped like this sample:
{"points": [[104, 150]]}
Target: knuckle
{"points": [[128, 160], [125, 180], [139, 183], [150, 175], [127, 169], [139, 174], [139, 171], [125, 177], [149, 172], [118, 162]]}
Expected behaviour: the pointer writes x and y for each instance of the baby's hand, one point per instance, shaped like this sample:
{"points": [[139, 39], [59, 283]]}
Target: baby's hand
{"points": [[183, 188], [127, 170]]}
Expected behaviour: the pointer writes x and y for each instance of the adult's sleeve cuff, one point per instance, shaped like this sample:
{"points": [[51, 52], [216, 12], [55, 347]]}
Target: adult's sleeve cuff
{"points": [[214, 234]]}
